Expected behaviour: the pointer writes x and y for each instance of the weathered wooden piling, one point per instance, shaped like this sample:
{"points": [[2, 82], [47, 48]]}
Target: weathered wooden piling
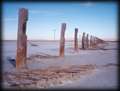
{"points": [[91, 41], [83, 40], [87, 41], [94, 41], [76, 40], [62, 39], [21, 39]]}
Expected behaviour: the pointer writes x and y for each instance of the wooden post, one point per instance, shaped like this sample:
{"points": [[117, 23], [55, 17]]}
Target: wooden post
{"points": [[62, 39], [76, 40], [21, 39], [87, 41], [94, 41], [83, 40]]}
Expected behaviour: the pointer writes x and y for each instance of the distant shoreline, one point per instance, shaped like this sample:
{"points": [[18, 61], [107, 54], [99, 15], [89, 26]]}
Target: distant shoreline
{"points": [[41, 40], [58, 40]]}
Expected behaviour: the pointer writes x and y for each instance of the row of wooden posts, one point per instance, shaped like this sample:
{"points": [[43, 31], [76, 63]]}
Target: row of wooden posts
{"points": [[22, 40], [87, 42]]}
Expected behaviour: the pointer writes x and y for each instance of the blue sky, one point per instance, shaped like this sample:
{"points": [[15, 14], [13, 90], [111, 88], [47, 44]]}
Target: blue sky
{"points": [[98, 19]]}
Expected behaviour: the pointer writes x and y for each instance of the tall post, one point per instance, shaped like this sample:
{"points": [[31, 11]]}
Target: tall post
{"points": [[94, 44], [87, 41], [76, 40], [21, 39], [83, 40], [62, 39]]}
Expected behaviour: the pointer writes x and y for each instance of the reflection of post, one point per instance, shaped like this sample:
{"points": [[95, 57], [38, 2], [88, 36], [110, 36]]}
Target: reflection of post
{"points": [[83, 40], [87, 41], [21, 39], [62, 39], [76, 40]]}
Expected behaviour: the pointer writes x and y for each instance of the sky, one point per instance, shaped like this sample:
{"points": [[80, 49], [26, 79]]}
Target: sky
{"points": [[44, 19]]}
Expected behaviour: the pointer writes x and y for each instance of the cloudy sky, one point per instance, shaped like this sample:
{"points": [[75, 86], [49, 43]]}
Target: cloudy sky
{"points": [[98, 19]]}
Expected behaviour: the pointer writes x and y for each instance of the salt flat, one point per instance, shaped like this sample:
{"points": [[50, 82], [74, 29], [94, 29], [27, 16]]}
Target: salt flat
{"points": [[105, 62]]}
